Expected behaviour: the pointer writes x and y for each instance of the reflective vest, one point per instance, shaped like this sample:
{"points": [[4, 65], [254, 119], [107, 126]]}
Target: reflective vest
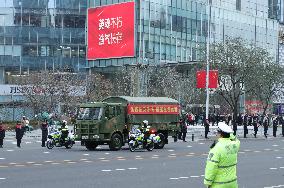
{"points": [[221, 165]]}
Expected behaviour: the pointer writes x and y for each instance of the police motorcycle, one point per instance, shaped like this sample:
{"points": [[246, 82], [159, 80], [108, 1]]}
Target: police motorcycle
{"points": [[137, 139], [56, 139]]}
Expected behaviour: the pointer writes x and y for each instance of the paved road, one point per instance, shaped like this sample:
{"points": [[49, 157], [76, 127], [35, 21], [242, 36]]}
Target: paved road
{"points": [[261, 164]]}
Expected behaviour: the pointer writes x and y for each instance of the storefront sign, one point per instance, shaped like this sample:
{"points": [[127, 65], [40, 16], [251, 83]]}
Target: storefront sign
{"points": [[35, 90], [152, 109], [111, 31]]}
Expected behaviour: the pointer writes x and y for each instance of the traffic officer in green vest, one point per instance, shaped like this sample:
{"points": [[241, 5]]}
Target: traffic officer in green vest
{"points": [[221, 165]]}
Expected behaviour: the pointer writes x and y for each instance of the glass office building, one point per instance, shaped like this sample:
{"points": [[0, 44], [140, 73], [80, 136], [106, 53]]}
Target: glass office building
{"points": [[175, 31], [41, 34]]}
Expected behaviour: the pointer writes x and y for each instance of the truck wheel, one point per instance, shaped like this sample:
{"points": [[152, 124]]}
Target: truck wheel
{"points": [[115, 142], [162, 143], [91, 146]]}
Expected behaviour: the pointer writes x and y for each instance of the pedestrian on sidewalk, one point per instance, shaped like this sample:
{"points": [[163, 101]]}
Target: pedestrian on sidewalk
{"points": [[19, 133], [44, 133], [2, 134], [274, 124], [221, 164]]}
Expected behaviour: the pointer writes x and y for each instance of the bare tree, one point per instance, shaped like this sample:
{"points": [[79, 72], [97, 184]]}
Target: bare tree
{"points": [[237, 63]]}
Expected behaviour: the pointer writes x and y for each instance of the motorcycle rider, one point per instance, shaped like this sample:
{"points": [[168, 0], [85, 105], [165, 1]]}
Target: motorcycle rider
{"points": [[64, 130], [145, 130]]}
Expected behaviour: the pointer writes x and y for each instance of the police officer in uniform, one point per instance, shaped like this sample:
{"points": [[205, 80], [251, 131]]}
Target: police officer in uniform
{"points": [[221, 165], [2, 134], [19, 133], [282, 123]]}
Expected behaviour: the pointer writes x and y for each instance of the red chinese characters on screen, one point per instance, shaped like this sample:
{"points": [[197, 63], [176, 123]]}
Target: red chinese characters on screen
{"points": [[111, 31]]}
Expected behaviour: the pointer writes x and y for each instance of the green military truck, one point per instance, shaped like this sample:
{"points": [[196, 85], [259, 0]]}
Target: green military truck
{"points": [[109, 122]]}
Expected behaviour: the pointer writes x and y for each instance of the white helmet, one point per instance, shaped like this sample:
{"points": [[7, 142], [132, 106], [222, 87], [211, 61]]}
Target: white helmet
{"points": [[224, 127], [146, 122]]}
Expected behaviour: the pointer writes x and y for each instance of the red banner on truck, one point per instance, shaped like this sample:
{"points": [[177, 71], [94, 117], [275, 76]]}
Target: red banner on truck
{"points": [[111, 31], [152, 109]]}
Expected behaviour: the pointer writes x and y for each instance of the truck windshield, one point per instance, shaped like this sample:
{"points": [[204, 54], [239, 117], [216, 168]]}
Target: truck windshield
{"points": [[90, 113]]}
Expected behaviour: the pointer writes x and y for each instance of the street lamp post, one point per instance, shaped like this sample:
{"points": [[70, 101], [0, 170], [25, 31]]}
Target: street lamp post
{"points": [[207, 60]]}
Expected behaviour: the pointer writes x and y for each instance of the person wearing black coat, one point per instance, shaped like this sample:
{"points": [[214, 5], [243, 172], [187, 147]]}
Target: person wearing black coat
{"points": [[255, 126], [265, 125], [282, 123], [183, 130], [206, 125], [274, 124], [245, 123], [44, 133], [19, 133], [2, 134]]}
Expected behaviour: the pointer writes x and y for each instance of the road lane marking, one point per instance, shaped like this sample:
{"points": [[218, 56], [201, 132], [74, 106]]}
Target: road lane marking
{"points": [[37, 164], [86, 154], [189, 146], [267, 149], [155, 157], [14, 143], [282, 167], [279, 157], [189, 155], [19, 165], [2, 178], [247, 150], [107, 153], [88, 161], [256, 151], [273, 168], [38, 141], [30, 162], [139, 158], [46, 152], [275, 186], [66, 160], [2, 158], [28, 142], [71, 162], [183, 177], [205, 154], [48, 161], [194, 176], [172, 156], [276, 150], [105, 160], [201, 143], [241, 152], [120, 169], [3, 166], [174, 178], [171, 150], [121, 159], [102, 158], [55, 163], [83, 159], [132, 168], [202, 175], [106, 170], [13, 163], [9, 150], [275, 145]]}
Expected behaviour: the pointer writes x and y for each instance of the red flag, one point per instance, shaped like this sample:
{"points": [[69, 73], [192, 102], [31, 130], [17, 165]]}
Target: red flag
{"points": [[201, 79], [213, 79]]}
